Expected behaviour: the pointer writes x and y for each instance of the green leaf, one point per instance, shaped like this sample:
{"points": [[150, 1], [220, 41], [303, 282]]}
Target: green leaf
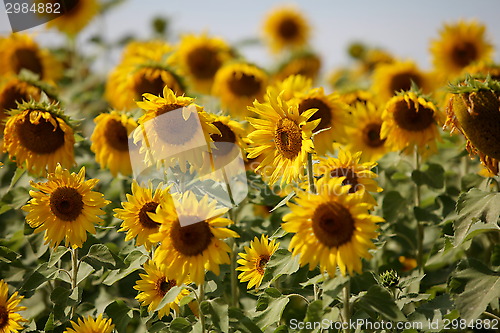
{"points": [[314, 313], [431, 175], [391, 205], [424, 215], [99, 253], [133, 262], [84, 271], [378, 300], [281, 263], [159, 326], [474, 206], [284, 201], [433, 312], [273, 292], [244, 323], [272, 314], [495, 255], [38, 277], [217, 309], [118, 311], [181, 325], [482, 287], [60, 295], [56, 255], [169, 297], [7, 255], [49, 325]]}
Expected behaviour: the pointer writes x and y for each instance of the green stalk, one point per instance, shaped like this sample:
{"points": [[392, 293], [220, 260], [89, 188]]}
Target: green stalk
{"points": [[310, 175], [347, 306], [201, 298], [74, 275], [420, 226]]}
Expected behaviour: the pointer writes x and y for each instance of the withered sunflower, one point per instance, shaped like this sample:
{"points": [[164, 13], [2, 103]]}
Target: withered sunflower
{"points": [[65, 207], [286, 28], [38, 137]]}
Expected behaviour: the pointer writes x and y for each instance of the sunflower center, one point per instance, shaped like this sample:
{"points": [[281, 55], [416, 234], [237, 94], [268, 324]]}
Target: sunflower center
{"points": [[261, 262], [11, 95], [332, 224], [174, 129], [28, 59], [41, 138], [288, 138], [152, 85], [288, 29], [464, 53], [351, 178], [242, 84], [163, 285], [203, 62], [371, 135], [192, 239], [66, 203], [116, 135], [144, 219], [227, 135], [409, 118], [4, 317], [402, 81], [324, 113]]}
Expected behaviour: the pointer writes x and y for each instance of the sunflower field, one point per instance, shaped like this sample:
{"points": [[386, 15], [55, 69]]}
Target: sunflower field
{"points": [[188, 189]]}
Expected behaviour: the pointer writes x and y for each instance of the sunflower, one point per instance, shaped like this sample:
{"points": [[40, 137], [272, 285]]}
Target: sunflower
{"points": [[286, 28], [355, 96], [459, 45], [150, 50], [373, 58], [110, 142], [10, 320], [229, 143], [291, 86], [13, 91], [238, 85], [200, 57], [283, 136], [354, 173], [332, 228], [389, 79], [38, 136], [136, 213], [65, 207], [254, 260], [172, 130], [408, 120], [77, 15], [91, 325], [483, 69], [153, 286], [364, 133], [473, 110], [303, 63], [191, 238], [331, 113], [19, 51]]}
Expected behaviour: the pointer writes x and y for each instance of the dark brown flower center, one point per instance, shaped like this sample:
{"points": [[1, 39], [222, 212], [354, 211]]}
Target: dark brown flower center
{"points": [[163, 285], [464, 53], [144, 219], [192, 239], [116, 135], [288, 138], [41, 138], [261, 262], [224, 142], [408, 118], [402, 81], [288, 29], [324, 113], [11, 95], [371, 135], [332, 224], [66, 203], [242, 84], [203, 62], [351, 178], [4, 317], [27, 59], [152, 85]]}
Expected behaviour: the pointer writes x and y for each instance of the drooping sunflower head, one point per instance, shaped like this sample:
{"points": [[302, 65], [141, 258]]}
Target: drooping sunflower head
{"points": [[459, 45], [200, 57], [110, 141], [347, 166], [191, 238], [286, 28], [137, 210], [474, 110], [229, 143], [38, 137], [389, 79], [14, 91], [238, 85], [10, 319], [304, 63], [154, 285], [291, 86], [19, 51], [77, 14], [253, 261], [364, 131], [65, 207], [411, 120], [91, 325], [283, 136], [332, 228], [483, 69], [331, 113]]}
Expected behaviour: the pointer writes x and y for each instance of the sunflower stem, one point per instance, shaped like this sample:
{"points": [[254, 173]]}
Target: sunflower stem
{"points": [[74, 276], [310, 175], [347, 306], [201, 298], [420, 226], [234, 281]]}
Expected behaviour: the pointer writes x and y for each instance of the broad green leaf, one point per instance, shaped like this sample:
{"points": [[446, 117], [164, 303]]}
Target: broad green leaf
{"points": [[272, 314], [314, 313], [273, 292], [433, 312], [284, 201], [59, 295], [378, 300], [56, 255], [332, 288], [424, 215], [157, 327], [49, 325], [7, 255], [281, 263], [118, 311], [495, 255], [482, 287], [242, 322], [181, 325], [84, 271], [217, 309], [133, 262], [101, 254], [391, 205], [169, 297], [38, 277], [431, 175]]}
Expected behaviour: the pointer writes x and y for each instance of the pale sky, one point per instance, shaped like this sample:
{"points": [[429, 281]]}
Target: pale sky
{"points": [[405, 28]]}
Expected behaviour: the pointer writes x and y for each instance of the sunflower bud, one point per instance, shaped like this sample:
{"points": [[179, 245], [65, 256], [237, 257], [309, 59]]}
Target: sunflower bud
{"points": [[389, 279]]}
